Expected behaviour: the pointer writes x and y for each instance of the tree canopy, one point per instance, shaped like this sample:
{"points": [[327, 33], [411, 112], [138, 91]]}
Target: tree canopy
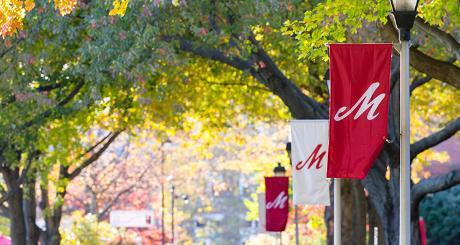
{"points": [[76, 74]]}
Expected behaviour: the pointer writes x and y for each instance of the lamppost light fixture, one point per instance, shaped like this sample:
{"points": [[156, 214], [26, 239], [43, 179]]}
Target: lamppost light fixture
{"points": [[404, 12], [279, 170], [404, 5]]}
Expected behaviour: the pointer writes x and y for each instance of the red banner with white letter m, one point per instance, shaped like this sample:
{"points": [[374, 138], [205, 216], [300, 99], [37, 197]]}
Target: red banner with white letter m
{"points": [[358, 115], [276, 203]]}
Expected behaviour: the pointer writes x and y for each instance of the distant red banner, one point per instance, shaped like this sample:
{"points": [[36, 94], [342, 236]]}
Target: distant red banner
{"points": [[358, 115], [276, 203]]}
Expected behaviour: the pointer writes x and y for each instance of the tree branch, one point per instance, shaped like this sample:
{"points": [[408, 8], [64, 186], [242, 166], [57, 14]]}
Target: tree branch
{"points": [[209, 53], [419, 82], [93, 157], [238, 84], [126, 190], [441, 70], [49, 87], [26, 169], [445, 38], [432, 185], [13, 46], [300, 105], [90, 149], [434, 139], [48, 112]]}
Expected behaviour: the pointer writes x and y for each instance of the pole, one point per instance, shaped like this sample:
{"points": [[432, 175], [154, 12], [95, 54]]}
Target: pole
{"points": [[162, 213], [337, 213], [376, 235], [404, 185], [296, 218], [281, 238], [162, 203], [172, 213]]}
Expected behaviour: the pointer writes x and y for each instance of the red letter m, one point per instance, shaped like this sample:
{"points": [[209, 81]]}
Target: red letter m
{"points": [[312, 159]]}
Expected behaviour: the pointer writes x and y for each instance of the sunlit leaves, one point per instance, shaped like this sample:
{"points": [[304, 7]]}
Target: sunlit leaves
{"points": [[332, 21], [29, 5], [12, 13], [65, 6], [443, 13], [119, 7]]}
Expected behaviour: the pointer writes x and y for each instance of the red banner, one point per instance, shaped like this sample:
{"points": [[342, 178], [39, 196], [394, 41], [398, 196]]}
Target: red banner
{"points": [[276, 203], [358, 115]]}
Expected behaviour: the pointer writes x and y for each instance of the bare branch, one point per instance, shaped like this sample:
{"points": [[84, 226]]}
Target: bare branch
{"points": [[432, 185], [434, 139], [121, 193], [445, 38], [93, 157], [419, 82], [94, 146], [238, 84]]}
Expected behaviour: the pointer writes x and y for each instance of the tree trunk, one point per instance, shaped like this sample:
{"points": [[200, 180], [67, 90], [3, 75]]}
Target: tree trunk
{"points": [[17, 226], [51, 236], [353, 212], [374, 225], [33, 232]]}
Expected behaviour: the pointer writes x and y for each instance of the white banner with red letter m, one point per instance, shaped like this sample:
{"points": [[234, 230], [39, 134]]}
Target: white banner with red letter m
{"points": [[309, 161]]}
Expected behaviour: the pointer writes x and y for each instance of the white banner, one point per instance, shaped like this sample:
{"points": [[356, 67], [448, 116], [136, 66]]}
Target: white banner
{"points": [[309, 161], [132, 218], [261, 201]]}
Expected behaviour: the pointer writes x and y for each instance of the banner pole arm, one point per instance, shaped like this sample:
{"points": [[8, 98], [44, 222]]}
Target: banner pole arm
{"points": [[337, 213]]}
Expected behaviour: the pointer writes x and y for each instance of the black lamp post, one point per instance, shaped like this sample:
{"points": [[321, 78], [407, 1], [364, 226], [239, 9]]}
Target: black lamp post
{"points": [[279, 170], [404, 12], [288, 150], [173, 197]]}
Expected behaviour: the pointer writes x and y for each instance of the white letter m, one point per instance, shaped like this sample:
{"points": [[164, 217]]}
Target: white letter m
{"points": [[365, 102]]}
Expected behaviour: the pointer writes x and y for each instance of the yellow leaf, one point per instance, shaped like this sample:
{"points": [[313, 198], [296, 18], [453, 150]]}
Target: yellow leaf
{"points": [[65, 6], [29, 5], [119, 7]]}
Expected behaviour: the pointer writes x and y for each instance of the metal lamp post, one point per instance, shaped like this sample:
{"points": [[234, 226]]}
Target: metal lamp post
{"points": [[279, 171], [404, 12], [296, 217]]}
